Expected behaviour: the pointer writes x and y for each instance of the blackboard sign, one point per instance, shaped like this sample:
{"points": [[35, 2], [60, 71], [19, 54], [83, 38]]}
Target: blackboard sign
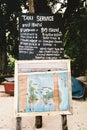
{"points": [[40, 37]]}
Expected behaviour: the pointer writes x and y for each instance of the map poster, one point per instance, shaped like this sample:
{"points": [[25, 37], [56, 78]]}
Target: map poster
{"points": [[43, 92]]}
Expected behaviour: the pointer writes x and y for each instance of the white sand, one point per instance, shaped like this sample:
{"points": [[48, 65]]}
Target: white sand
{"points": [[77, 121]]}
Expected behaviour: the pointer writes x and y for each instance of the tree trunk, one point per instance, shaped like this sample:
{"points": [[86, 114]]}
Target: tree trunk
{"points": [[31, 6], [3, 61], [3, 54]]}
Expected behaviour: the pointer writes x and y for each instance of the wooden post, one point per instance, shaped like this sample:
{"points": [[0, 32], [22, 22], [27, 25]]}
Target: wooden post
{"points": [[18, 123], [31, 6], [64, 122], [38, 119]]}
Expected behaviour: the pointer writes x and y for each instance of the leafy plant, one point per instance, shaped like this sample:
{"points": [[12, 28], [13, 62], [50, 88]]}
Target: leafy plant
{"points": [[11, 64]]}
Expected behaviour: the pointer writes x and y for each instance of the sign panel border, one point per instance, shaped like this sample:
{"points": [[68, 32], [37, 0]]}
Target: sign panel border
{"points": [[32, 67]]}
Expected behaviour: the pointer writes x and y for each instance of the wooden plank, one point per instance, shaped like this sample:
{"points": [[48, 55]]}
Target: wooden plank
{"points": [[64, 122], [18, 123], [38, 121], [56, 92], [22, 91]]}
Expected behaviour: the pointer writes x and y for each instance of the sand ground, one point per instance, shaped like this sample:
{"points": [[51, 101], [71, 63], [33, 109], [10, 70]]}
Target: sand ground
{"points": [[77, 121]]}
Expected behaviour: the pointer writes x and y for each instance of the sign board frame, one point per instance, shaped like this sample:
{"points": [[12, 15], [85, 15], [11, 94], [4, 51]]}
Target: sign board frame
{"points": [[24, 69]]}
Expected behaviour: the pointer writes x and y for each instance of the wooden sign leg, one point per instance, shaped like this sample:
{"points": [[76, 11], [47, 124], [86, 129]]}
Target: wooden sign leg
{"points": [[38, 121], [18, 123], [64, 122]]}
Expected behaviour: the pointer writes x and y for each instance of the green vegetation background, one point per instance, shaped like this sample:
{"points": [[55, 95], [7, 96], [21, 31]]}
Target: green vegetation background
{"points": [[74, 21]]}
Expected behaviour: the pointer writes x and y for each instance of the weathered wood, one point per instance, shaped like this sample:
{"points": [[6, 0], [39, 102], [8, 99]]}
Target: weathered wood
{"points": [[38, 67], [64, 122], [38, 121], [22, 97], [18, 123], [31, 6]]}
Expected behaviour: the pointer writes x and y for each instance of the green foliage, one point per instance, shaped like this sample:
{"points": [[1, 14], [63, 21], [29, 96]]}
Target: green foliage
{"points": [[75, 43], [74, 30], [9, 41], [11, 64]]}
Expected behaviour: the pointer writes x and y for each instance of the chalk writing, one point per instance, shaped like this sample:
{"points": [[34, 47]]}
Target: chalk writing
{"points": [[40, 37]]}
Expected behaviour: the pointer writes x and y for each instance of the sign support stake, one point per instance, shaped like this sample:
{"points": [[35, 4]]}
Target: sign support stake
{"points": [[18, 123], [38, 119], [64, 122]]}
